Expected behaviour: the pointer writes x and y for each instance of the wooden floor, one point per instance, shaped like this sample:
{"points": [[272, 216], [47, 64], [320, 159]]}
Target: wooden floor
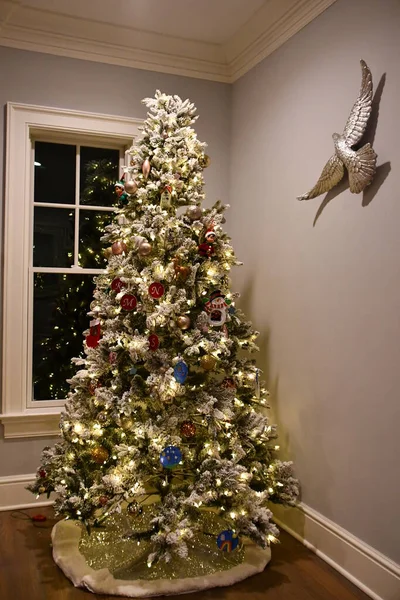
{"points": [[27, 571]]}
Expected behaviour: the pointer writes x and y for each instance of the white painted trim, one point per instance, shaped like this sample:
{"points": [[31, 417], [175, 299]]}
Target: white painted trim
{"points": [[370, 570], [268, 28], [14, 496], [20, 416]]}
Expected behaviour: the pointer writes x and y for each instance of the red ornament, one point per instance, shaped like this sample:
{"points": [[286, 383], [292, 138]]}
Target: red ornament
{"points": [[38, 518], [128, 302], [103, 500], [229, 384], [188, 429], [117, 285], [154, 341], [42, 473], [156, 290], [95, 329], [118, 247], [92, 341], [112, 358], [206, 249]]}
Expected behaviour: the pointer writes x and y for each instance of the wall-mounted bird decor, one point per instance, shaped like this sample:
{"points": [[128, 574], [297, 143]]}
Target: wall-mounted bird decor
{"points": [[360, 164]]}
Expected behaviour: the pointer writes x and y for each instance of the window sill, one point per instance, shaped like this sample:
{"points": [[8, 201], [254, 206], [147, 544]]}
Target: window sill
{"points": [[31, 424]]}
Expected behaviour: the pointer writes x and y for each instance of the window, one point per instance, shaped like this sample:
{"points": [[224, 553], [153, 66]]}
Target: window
{"points": [[55, 211]]}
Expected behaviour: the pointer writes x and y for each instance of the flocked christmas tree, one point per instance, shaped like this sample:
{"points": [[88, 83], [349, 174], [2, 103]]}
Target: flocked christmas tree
{"points": [[166, 414]]}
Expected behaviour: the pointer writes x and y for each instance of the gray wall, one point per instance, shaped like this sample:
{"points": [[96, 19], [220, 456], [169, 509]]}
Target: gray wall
{"points": [[326, 297], [47, 80]]}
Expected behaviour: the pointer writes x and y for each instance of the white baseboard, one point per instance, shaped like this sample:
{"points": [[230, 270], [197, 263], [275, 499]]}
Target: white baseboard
{"points": [[14, 496], [373, 572], [368, 569]]}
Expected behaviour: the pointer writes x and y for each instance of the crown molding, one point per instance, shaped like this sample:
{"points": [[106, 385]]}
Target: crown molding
{"points": [[272, 25]]}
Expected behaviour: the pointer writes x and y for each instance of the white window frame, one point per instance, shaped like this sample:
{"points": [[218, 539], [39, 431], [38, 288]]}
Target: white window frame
{"points": [[20, 416]]}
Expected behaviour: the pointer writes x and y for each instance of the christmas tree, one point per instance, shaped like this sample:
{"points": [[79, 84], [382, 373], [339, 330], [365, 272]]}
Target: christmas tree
{"points": [[165, 422]]}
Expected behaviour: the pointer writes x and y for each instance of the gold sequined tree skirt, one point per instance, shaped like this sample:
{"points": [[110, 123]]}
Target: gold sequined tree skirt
{"points": [[111, 561]]}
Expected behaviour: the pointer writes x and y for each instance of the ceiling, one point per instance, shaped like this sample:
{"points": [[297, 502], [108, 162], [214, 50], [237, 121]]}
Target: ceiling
{"points": [[209, 39]]}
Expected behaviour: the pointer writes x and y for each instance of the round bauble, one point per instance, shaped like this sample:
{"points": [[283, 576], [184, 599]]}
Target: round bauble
{"points": [[146, 166], [107, 252], [103, 500], [194, 212], [145, 249], [42, 489], [134, 509], [99, 455], [126, 423], [183, 322], [130, 186], [204, 161], [118, 247], [208, 362], [188, 429], [102, 417]]}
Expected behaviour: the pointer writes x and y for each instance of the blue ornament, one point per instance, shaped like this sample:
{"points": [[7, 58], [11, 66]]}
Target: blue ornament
{"points": [[133, 371], [181, 371], [231, 310], [170, 457], [228, 540]]}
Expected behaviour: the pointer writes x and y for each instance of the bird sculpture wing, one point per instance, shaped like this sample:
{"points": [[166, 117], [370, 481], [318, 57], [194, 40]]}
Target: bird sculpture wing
{"points": [[358, 119], [331, 174]]}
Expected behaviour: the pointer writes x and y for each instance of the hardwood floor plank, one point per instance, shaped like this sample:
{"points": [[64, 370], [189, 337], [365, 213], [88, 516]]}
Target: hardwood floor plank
{"points": [[27, 570]]}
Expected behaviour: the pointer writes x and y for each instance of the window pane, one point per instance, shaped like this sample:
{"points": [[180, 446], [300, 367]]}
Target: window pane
{"points": [[99, 172], [91, 227], [53, 238], [55, 173], [61, 303]]}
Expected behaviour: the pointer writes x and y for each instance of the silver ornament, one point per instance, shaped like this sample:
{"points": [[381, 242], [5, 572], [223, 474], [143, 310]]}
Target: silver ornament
{"points": [[360, 164], [145, 249], [146, 168], [130, 186], [194, 212]]}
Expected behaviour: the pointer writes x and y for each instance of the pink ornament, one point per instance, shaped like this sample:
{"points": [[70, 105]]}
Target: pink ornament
{"points": [[146, 168]]}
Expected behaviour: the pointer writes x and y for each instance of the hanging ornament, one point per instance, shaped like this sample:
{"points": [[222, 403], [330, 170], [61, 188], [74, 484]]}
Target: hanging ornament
{"points": [[126, 423], [134, 509], [102, 417], [99, 455], [103, 500], [42, 489], [258, 384], [216, 308], [231, 310], [165, 202], [128, 302], [112, 358], [117, 285], [42, 473], [95, 328], [107, 252], [208, 362], [181, 371], [156, 290], [204, 161], [145, 249], [194, 212], [130, 186], [92, 341], [118, 247], [188, 429], [229, 383], [146, 166], [228, 540], [121, 193], [154, 342], [183, 322], [170, 457], [133, 370]]}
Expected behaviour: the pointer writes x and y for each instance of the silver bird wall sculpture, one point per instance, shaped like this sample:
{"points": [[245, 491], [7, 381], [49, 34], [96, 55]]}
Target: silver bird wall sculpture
{"points": [[360, 164]]}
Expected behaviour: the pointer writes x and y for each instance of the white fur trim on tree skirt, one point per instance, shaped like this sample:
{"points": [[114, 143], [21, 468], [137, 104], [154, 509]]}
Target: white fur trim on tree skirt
{"points": [[66, 536]]}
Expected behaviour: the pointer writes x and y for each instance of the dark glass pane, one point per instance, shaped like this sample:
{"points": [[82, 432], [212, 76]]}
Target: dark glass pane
{"points": [[55, 173], [99, 172], [91, 227], [61, 303], [53, 237]]}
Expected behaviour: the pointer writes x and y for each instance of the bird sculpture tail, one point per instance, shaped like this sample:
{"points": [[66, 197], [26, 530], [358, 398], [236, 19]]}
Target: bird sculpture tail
{"points": [[362, 169]]}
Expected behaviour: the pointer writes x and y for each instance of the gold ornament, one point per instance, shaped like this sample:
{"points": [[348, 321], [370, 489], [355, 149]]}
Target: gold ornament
{"points": [[107, 253], [208, 362], [145, 249], [183, 322], [99, 455], [42, 489], [188, 429], [205, 161], [146, 166], [194, 212], [126, 423], [118, 247], [130, 186]]}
